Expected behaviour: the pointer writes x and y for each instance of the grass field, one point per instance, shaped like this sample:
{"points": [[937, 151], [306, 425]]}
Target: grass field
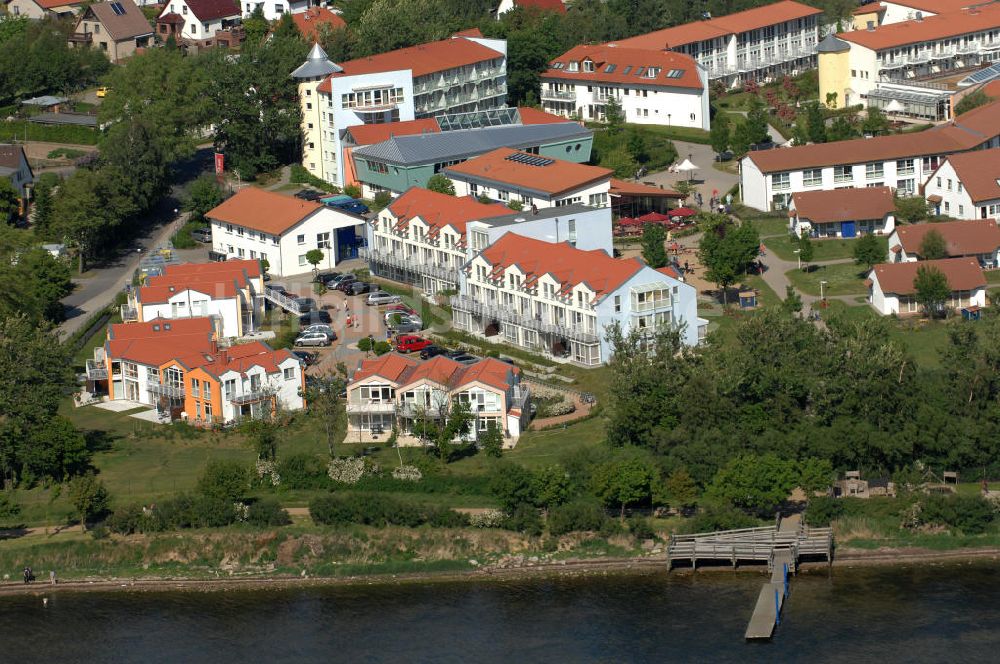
{"points": [[840, 278], [784, 247], [768, 227]]}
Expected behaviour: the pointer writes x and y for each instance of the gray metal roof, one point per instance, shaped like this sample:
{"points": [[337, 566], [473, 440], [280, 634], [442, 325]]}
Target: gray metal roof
{"points": [[831, 44], [80, 119], [44, 101], [465, 143], [543, 213], [317, 64]]}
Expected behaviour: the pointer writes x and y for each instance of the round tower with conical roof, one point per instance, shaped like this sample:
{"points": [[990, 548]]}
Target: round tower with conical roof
{"points": [[310, 74], [834, 57]]}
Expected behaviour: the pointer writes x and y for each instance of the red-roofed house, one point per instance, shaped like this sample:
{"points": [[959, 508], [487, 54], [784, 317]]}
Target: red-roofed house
{"points": [[509, 175], [760, 43], [273, 10], [842, 212], [651, 86], [311, 19], [462, 74], [200, 19], [401, 393], [979, 239], [891, 289], [424, 238], [556, 6], [228, 293], [559, 300], [967, 185], [260, 224], [39, 9]]}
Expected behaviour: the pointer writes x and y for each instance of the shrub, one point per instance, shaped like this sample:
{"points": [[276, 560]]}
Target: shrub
{"points": [[364, 344], [353, 191], [487, 519], [524, 519], [969, 514], [720, 517], [579, 515], [378, 510], [224, 480], [299, 175], [211, 512], [267, 512], [640, 528], [822, 510], [513, 486], [303, 471], [128, 519], [382, 347]]}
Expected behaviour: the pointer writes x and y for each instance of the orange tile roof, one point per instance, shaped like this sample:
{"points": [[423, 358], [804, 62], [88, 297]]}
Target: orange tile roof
{"points": [[962, 238], [440, 210], [723, 26], [444, 371], [421, 60], [869, 8], [962, 274], [620, 59], [950, 24], [979, 171], [535, 116], [238, 268], [545, 5], [965, 132], [157, 342], [308, 22], [390, 366], [489, 371], [626, 188], [469, 32], [555, 178], [215, 279], [369, 134], [937, 6], [52, 4], [243, 357], [441, 370], [844, 204], [568, 265], [262, 210]]}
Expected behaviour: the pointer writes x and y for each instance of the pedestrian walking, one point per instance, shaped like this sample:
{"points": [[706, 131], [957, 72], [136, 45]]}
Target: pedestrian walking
{"points": [[52, 577]]}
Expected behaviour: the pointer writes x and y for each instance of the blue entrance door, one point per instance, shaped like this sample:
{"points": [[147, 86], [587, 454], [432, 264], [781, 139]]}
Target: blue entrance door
{"points": [[847, 229]]}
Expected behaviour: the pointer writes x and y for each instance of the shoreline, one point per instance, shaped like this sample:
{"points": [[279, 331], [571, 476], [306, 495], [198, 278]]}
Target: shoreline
{"points": [[850, 558]]}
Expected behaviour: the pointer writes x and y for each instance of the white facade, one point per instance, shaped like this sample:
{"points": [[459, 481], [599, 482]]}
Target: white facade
{"points": [[286, 253], [595, 194], [274, 9], [193, 27], [132, 381], [955, 199], [20, 176], [286, 385], [189, 303]]}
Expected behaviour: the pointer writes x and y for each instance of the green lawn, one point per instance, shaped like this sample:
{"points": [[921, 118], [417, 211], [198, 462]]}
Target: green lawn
{"points": [[840, 278], [993, 276], [768, 226], [784, 247]]}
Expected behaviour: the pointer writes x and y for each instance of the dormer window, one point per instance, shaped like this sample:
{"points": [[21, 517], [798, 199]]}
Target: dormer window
{"points": [[574, 66], [652, 72], [588, 65]]}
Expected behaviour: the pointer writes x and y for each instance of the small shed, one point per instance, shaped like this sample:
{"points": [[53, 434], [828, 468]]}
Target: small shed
{"points": [[748, 299], [971, 313]]}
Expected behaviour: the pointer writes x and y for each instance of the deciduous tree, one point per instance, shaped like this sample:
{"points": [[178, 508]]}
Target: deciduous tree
{"points": [[933, 246], [868, 251], [441, 184], [89, 497], [654, 250], [623, 483], [719, 136], [931, 289]]}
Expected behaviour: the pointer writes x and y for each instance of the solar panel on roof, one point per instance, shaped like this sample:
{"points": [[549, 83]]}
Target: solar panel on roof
{"points": [[530, 159], [117, 8], [981, 76]]}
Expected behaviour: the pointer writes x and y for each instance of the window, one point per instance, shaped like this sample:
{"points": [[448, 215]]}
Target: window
{"points": [[229, 388], [873, 170], [208, 410], [473, 189], [323, 241], [503, 195], [184, 10], [781, 181], [97, 28], [961, 210], [939, 182], [196, 387], [843, 173], [301, 239], [812, 177], [240, 252], [289, 373], [947, 206], [588, 65], [960, 187], [302, 259], [618, 304], [949, 184], [907, 186], [904, 167], [596, 200]]}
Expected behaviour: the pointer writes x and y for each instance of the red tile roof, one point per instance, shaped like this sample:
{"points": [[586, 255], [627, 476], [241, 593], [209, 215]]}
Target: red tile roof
{"points": [[731, 24], [262, 210], [962, 238], [869, 8], [626, 188], [534, 116], [979, 171], [51, 4], [546, 5], [215, 279], [619, 60], [949, 24], [159, 341], [937, 6], [308, 22], [369, 134], [556, 177], [243, 357], [568, 265], [440, 210], [489, 371], [469, 32], [210, 10], [442, 370], [422, 60], [962, 274], [844, 204], [965, 132], [390, 366]]}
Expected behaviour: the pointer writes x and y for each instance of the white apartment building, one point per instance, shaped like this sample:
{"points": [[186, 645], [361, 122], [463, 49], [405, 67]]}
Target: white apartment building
{"points": [[425, 238], [967, 186], [559, 300], [274, 9], [651, 87], [507, 175], [281, 230], [910, 51], [399, 392], [201, 19], [903, 162], [760, 44], [456, 75], [229, 293]]}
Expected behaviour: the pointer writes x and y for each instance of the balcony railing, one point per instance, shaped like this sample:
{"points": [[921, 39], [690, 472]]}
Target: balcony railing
{"points": [[81, 37], [129, 314], [508, 315], [559, 95], [411, 263], [375, 108], [410, 409], [519, 396], [164, 390], [260, 394], [371, 407], [96, 370]]}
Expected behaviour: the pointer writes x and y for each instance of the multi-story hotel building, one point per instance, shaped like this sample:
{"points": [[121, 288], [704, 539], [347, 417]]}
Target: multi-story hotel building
{"points": [[425, 238], [759, 43], [901, 161], [652, 87], [559, 300], [461, 74]]}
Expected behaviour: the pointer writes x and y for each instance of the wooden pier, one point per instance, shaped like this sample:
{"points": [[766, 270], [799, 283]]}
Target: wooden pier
{"points": [[781, 546]]}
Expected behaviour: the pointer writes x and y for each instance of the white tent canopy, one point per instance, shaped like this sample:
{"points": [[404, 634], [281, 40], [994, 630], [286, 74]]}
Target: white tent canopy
{"points": [[686, 165], [893, 106]]}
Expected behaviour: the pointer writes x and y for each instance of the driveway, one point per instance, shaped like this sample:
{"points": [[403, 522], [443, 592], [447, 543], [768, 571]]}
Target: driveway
{"points": [[706, 179]]}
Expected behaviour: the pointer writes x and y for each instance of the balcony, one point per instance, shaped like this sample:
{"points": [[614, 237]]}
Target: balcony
{"points": [[504, 314], [411, 264], [81, 38], [96, 370], [372, 407], [170, 391], [559, 95], [260, 394], [129, 314], [375, 108], [411, 409], [519, 397], [604, 97]]}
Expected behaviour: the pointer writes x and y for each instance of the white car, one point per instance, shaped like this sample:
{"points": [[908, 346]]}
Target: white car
{"points": [[325, 329], [381, 297], [403, 317], [313, 339]]}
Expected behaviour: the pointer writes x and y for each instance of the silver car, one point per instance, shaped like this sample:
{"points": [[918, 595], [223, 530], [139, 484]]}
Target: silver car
{"points": [[325, 329], [381, 297], [312, 339]]}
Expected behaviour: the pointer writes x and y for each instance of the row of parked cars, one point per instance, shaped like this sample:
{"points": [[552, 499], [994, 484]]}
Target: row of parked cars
{"points": [[340, 201]]}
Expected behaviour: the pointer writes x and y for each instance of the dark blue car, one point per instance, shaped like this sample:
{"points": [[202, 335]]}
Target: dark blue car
{"points": [[353, 206]]}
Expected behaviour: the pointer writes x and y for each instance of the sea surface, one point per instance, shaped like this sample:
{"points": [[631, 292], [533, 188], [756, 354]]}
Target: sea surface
{"points": [[948, 613]]}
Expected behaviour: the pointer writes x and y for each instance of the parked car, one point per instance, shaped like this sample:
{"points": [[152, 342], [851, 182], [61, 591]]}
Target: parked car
{"points": [[313, 339], [345, 284], [325, 329], [307, 359], [465, 358], [411, 343], [725, 155], [216, 256], [401, 308], [353, 206], [325, 276], [404, 327], [360, 288], [763, 145], [102, 92], [309, 194], [315, 318], [391, 315], [203, 235], [335, 281], [381, 297], [432, 351], [306, 304]]}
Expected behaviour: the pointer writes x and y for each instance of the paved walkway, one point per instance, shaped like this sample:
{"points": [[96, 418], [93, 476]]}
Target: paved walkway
{"points": [[706, 179], [775, 277]]}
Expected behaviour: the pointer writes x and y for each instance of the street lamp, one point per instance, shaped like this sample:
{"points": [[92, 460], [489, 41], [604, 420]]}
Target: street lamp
{"points": [[822, 297], [797, 257]]}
